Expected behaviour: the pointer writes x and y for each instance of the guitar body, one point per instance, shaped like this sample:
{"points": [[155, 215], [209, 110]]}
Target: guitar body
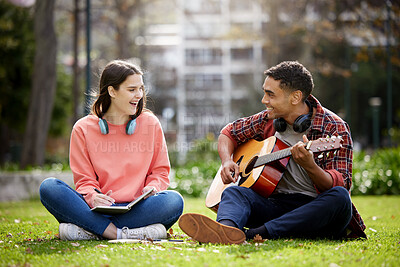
{"points": [[263, 179]]}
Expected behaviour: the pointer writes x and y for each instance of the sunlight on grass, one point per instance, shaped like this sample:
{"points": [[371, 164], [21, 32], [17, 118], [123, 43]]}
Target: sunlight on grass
{"points": [[28, 236]]}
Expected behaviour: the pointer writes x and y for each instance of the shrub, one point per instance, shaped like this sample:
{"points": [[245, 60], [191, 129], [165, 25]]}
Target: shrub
{"points": [[194, 176], [194, 179], [378, 173]]}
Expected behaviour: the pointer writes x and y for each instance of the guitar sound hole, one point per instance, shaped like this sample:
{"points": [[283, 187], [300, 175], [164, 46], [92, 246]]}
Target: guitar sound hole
{"points": [[246, 172], [249, 168]]}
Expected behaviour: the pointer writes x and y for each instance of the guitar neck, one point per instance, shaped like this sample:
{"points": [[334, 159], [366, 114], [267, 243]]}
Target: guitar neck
{"points": [[272, 157]]}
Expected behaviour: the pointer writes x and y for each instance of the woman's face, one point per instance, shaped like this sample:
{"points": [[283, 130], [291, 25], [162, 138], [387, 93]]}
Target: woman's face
{"points": [[124, 101]]}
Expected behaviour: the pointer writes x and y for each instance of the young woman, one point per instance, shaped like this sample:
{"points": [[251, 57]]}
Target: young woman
{"points": [[117, 153]]}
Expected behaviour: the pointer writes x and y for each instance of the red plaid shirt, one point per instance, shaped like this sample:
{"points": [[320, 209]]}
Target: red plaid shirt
{"points": [[325, 123]]}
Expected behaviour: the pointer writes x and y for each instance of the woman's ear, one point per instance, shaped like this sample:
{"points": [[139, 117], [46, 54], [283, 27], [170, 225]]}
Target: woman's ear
{"points": [[111, 91]]}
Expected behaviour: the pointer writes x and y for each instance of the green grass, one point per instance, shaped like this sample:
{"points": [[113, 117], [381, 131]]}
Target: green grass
{"points": [[28, 237]]}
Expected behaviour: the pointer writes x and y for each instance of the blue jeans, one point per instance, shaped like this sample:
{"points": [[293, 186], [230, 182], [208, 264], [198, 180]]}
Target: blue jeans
{"points": [[68, 206], [288, 215]]}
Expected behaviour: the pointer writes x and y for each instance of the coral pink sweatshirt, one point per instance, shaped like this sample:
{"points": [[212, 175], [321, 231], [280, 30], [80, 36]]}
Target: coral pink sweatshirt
{"points": [[119, 162]]}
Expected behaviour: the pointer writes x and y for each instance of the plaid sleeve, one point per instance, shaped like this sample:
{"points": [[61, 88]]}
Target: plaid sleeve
{"points": [[342, 160], [252, 127]]}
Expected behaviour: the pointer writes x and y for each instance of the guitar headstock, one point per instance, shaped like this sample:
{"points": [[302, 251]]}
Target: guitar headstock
{"points": [[325, 144]]}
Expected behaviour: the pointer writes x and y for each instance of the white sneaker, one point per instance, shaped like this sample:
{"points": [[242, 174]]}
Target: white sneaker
{"points": [[153, 231], [69, 231]]}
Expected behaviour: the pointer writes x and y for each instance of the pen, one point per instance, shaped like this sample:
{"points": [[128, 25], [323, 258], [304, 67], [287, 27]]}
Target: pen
{"points": [[97, 190], [112, 201]]}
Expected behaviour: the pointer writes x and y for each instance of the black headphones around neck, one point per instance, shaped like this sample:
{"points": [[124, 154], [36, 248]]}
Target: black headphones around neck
{"points": [[301, 124]]}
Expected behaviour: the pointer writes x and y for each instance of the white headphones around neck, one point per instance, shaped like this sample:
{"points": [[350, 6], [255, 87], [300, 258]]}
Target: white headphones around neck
{"points": [[130, 126]]}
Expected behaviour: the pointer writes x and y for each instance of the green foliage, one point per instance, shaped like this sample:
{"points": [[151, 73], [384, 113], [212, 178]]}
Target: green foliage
{"points": [[370, 80], [203, 150], [28, 237], [378, 173], [194, 177], [60, 124], [394, 134], [48, 167], [17, 42], [16, 65]]}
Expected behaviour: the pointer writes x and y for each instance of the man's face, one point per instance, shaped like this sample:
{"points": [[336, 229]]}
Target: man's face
{"points": [[276, 100]]}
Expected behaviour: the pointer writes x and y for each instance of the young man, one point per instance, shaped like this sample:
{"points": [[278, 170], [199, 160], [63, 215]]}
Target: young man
{"points": [[312, 198]]}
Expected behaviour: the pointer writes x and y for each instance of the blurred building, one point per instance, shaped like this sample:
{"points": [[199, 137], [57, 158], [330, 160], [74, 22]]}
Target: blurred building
{"points": [[210, 66]]}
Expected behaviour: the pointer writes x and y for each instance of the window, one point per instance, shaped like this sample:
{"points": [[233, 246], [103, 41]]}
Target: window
{"points": [[240, 5], [242, 53], [197, 57], [203, 6], [202, 30], [203, 82]]}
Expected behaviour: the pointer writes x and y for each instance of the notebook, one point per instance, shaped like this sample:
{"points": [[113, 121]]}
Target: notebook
{"points": [[120, 209]]}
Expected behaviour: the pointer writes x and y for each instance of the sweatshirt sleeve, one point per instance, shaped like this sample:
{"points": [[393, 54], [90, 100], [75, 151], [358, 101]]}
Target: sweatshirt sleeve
{"points": [[84, 175], [158, 173]]}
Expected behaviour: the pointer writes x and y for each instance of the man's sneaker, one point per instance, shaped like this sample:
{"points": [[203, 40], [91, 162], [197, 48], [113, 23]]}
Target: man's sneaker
{"points": [[153, 231], [205, 230], [69, 231]]}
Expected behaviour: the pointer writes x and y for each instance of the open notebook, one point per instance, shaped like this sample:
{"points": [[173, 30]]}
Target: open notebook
{"points": [[120, 209]]}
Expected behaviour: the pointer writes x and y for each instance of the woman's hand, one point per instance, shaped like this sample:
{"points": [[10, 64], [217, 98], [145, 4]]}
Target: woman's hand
{"points": [[103, 199], [148, 188]]}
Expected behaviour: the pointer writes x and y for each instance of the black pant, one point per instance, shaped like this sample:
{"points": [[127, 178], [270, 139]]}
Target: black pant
{"points": [[288, 215]]}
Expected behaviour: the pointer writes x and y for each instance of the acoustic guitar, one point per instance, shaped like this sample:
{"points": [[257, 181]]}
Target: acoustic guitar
{"points": [[261, 165]]}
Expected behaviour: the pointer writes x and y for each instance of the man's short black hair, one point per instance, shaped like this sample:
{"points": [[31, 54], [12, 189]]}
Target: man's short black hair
{"points": [[293, 76]]}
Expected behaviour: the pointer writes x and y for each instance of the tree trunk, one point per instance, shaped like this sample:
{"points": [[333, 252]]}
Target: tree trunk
{"points": [[123, 39], [76, 90], [272, 33], [43, 85], [124, 9]]}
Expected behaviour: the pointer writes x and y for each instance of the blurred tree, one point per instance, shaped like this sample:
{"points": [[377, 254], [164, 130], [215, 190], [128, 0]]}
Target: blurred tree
{"points": [[344, 44], [271, 44], [16, 53], [357, 62], [124, 13], [60, 120], [121, 19], [43, 85], [75, 65]]}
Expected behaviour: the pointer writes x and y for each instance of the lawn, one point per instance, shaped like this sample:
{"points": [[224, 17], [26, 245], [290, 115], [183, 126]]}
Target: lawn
{"points": [[28, 237]]}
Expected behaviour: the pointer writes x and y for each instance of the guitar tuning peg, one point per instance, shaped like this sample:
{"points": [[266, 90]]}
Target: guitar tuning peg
{"points": [[320, 156], [327, 154]]}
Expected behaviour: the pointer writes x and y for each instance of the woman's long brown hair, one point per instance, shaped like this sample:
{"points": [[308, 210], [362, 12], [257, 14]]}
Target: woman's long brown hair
{"points": [[113, 75]]}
